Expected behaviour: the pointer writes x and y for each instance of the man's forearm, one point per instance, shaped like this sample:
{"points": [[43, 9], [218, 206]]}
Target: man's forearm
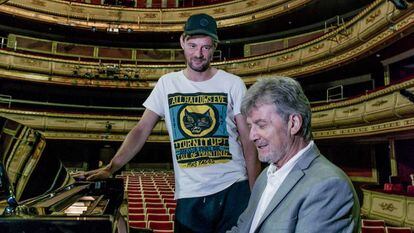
{"points": [[253, 165]]}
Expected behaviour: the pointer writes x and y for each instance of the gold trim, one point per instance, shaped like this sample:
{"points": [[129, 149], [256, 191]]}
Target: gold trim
{"points": [[284, 62], [228, 14]]}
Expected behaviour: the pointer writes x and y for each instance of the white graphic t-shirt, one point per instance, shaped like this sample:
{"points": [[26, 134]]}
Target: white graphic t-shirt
{"points": [[207, 153]]}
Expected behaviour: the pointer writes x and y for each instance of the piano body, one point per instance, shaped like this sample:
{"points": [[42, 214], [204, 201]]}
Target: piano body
{"points": [[37, 194]]}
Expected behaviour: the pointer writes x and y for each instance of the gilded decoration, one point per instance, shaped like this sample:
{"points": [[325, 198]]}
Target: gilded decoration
{"points": [[379, 103], [77, 10], [333, 127], [320, 115], [150, 15], [351, 110], [271, 63], [184, 15], [373, 16], [38, 3], [316, 48], [251, 3], [220, 10], [227, 13], [285, 58]]}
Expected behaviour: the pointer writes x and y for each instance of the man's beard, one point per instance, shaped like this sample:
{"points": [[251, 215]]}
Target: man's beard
{"points": [[202, 68]]}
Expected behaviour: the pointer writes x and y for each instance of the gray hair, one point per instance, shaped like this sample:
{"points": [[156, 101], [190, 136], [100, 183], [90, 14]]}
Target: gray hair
{"points": [[287, 96]]}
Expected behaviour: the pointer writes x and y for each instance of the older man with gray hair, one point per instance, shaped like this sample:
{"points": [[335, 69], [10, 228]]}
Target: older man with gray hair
{"points": [[300, 191]]}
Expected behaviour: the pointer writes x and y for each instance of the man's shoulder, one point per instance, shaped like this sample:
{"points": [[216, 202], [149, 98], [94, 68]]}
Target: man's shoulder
{"points": [[321, 168], [225, 74], [170, 76]]}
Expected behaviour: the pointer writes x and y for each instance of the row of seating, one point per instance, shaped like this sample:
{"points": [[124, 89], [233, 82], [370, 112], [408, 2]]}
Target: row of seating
{"points": [[151, 202], [379, 229], [378, 226], [156, 226]]}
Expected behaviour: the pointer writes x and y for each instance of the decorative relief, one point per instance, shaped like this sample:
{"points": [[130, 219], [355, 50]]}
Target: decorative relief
{"points": [[219, 10], [66, 121], [251, 64], [30, 62], [341, 36], [316, 48], [373, 16], [147, 72], [387, 206], [320, 115], [388, 125], [38, 2], [77, 10], [351, 110], [150, 15], [284, 58], [23, 118], [379, 103], [115, 14], [184, 14], [251, 3]]}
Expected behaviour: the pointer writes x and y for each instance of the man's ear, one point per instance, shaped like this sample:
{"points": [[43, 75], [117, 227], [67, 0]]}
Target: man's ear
{"points": [[295, 123], [182, 41]]}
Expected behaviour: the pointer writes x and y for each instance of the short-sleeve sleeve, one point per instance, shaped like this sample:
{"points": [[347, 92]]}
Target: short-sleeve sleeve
{"points": [[237, 93], [155, 101]]}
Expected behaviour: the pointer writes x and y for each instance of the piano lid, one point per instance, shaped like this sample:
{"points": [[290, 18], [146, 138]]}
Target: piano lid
{"points": [[30, 171]]}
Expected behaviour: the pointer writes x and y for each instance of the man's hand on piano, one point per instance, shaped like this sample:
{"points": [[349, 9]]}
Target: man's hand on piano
{"points": [[97, 174]]}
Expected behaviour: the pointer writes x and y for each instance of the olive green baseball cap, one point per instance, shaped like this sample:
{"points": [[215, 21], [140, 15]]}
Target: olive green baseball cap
{"points": [[201, 24]]}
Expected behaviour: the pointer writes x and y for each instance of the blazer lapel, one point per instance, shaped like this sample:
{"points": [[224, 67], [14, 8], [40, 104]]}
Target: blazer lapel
{"points": [[261, 185], [290, 181]]}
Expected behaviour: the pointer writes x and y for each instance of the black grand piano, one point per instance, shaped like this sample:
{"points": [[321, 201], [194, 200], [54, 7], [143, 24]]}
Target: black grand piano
{"points": [[37, 194]]}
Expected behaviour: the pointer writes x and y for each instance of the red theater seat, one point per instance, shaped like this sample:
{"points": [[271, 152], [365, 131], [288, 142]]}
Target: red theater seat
{"points": [[134, 191], [372, 229], [410, 189], [156, 210], [171, 205], [137, 217], [133, 210], [140, 224], [135, 199], [398, 230], [161, 225], [373, 222], [388, 187], [171, 210], [136, 204], [167, 195], [398, 188], [158, 217], [149, 196], [169, 200], [153, 200], [154, 205]]}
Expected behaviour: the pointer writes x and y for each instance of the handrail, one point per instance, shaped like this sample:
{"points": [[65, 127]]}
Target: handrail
{"points": [[6, 99]]}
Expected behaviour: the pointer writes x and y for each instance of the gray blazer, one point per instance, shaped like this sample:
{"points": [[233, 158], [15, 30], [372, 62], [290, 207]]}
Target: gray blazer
{"points": [[316, 196]]}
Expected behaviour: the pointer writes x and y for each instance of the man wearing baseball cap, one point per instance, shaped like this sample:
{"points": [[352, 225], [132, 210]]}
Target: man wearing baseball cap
{"points": [[215, 164]]}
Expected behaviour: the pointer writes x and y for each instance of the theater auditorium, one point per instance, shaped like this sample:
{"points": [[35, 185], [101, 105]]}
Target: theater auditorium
{"points": [[74, 75]]}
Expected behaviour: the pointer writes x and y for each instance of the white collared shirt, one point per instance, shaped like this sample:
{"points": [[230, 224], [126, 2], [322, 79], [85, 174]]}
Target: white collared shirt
{"points": [[275, 178]]}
